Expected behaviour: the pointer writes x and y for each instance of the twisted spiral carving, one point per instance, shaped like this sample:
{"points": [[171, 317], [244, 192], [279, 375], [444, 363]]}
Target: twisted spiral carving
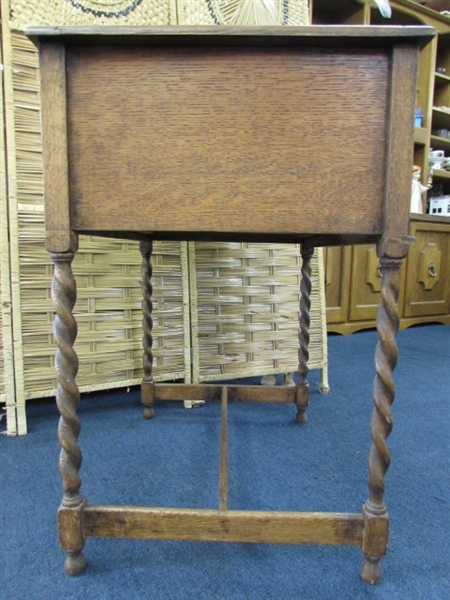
{"points": [[66, 363], [146, 249], [305, 306], [386, 355]]}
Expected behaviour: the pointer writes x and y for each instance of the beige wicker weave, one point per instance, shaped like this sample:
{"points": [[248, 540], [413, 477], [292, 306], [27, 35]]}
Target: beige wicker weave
{"points": [[108, 308], [90, 12], [108, 271], [245, 311], [243, 12], [7, 395]]}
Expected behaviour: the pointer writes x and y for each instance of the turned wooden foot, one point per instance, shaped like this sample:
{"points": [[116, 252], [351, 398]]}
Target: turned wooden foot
{"points": [[75, 563], [371, 570], [148, 412], [302, 402], [301, 416], [147, 394]]}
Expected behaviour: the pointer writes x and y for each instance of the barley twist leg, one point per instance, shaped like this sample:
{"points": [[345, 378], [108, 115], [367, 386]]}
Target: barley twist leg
{"points": [[70, 514], [386, 354], [146, 248], [302, 387]]}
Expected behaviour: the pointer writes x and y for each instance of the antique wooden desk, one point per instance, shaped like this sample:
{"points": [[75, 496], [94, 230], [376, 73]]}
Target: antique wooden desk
{"points": [[275, 134]]}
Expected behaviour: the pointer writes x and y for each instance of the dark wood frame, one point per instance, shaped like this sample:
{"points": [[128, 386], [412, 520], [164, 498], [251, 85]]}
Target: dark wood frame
{"points": [[95, 182]]}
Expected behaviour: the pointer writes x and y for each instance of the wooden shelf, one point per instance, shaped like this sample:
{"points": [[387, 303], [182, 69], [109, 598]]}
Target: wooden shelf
{"points": [[440, 143], [441, 118], [441, 79], [441, 174]]}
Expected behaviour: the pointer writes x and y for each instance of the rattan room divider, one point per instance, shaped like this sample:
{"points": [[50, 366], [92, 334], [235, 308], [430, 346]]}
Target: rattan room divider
{"points": [[193, 283]]}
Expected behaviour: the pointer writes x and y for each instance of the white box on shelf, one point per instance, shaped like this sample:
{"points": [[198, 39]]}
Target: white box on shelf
{"points": [[440, 206]]}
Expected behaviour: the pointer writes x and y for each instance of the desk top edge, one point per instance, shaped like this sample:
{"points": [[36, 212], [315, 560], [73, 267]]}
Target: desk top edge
{"points": [[381, 35]]}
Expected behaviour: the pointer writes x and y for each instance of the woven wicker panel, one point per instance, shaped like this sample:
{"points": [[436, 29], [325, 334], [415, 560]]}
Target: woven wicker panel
{"points": [[4, 251], [89, 12], [108, 308], [243, 12], [7, 387], [245, 317], [108, 311]]}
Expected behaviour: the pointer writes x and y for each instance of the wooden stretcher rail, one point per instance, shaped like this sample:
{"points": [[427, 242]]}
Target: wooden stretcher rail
{"points": [[223, 526], [241, 393]]}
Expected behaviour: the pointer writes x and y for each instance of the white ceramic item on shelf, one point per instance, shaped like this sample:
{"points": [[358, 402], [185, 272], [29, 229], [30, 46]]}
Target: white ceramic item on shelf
{"points": [[417, 189]]}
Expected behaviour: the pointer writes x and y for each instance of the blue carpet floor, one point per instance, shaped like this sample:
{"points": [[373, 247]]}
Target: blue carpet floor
{"points": [[273, 464]]}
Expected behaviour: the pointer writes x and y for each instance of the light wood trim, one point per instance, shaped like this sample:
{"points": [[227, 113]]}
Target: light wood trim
{"points": [[441, 174], [440, 78], [229, 526], [223, 476]]}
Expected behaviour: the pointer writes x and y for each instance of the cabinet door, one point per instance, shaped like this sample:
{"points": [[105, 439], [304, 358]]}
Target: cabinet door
{"points": [[337, 282], [427, 283], [366, 284], [365, 291]]}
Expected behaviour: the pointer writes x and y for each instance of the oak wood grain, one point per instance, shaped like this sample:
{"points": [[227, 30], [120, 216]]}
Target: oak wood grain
{"points": [[207, 137], [395, 241], [54, 140], [224, 526]]}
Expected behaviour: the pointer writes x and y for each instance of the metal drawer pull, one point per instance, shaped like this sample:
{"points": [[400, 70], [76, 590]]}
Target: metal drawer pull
{"points": [[431, 270], [380, 274]]}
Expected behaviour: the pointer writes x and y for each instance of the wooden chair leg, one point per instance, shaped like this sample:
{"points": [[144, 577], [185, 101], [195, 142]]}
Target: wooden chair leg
{"points": [[70, 514], [302, 387], [147, 389], [376, 519]]}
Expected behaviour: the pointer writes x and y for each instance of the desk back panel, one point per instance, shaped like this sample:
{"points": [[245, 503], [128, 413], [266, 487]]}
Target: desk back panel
{"points": [[236, 140]]}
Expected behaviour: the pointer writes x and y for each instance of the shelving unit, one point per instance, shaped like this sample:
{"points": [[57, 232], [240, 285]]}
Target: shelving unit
{"points": [[352, 279], [440, 142]]}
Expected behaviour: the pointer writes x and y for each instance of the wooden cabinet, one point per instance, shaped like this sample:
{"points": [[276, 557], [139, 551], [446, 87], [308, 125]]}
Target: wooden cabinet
{"points": [[337, 275], [351, 274], [365, 296], [353, 281], [427, 291]]}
